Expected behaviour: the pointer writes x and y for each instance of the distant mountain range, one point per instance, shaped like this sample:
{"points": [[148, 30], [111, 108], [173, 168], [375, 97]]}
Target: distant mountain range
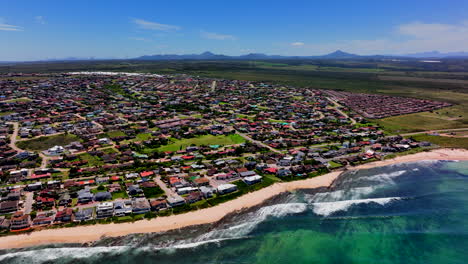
{"points": [[251, 56], [334, 55], [260, 56]]}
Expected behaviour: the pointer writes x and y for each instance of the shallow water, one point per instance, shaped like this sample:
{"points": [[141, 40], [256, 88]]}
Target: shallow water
{"points": [[408, 213]]}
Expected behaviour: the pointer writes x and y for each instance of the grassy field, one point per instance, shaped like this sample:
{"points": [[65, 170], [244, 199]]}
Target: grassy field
{"points": [[447, 142], [203, 140], [43, 143], [93, 161], [22, 99]]}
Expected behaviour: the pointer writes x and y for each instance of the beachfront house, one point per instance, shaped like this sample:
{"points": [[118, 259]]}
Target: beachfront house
{"points": [[226, 188], [252, 179], [122, 208], [20, 221], [84, 214], [105, 210], [140, 206], [175, 201]]}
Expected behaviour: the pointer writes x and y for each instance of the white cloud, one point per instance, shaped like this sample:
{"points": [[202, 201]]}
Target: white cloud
{"points": [[40, 19], [217, 36], [154, 26], [7, 27], [297, 44]]}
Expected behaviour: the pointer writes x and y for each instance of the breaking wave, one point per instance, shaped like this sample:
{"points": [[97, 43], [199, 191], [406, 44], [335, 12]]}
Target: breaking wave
{"points": [[328, 208]]}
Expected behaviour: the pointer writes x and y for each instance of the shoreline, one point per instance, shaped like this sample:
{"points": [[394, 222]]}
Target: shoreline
{"points": [[84, 234]]}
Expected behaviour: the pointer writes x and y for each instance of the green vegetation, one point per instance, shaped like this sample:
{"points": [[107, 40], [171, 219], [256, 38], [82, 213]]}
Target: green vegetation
{"points": [[446, 142], [23, 99], [115, 133], [43, 143], [153, 192], [203, 140], [93, 161], [447, 118], [119, 195], [334, 165]]}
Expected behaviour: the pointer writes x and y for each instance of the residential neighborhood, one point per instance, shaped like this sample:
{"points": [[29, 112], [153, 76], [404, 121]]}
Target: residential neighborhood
{"points": [[84, 148]]}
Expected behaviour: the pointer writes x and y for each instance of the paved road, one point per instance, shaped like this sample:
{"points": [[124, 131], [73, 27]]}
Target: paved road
{"points": [[28, 203], [257, 142], [14, 136], [337, 105], [169, 192]]}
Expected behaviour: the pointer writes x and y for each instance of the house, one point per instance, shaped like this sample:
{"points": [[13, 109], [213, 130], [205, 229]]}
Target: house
{"points": [[122, 208], [8, 206], [202, 181], [20, 221], [283, 172], [42, 219], [134, 190], [158, 204], [247, 173], [55, 150], [64, 216], [140, 206], [133, 175], [4, 223], [226, 188], [65, 199], [85, 196], [185, 190], [84, 214], [105, 210], [252, 179], [193, 197], [102, 196], [207, 191], [175, 201]]}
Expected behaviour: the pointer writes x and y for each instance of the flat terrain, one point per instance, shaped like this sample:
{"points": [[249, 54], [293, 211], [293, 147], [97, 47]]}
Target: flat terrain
{"points": [[446, 142], [44, 143], [203, 140], [445, 81]]}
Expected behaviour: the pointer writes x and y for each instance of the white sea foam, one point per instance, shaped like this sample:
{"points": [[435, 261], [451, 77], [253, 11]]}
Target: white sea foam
{"points": [[328, 208], [386, 178], [351, 194], [248, 225], [51, 254]]}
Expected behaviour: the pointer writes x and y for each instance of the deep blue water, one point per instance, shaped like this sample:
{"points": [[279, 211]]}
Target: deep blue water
{"points": [[407, 213]]}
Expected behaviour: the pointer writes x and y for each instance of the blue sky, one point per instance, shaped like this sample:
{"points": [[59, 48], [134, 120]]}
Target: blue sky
{"points": [[32, 30]]}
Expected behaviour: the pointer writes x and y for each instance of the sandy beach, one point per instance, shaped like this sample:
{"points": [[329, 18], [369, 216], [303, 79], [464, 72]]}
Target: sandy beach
{"points": [[82, 234]]}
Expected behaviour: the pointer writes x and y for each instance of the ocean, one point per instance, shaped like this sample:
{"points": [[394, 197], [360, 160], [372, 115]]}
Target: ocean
{"points": [[405, 213]]}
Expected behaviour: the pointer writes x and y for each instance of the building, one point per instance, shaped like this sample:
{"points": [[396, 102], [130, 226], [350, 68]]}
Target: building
{"points": [[8, 206], [20, 221], [252, 179], [105, 210], [64, 216], [84, 214], [140, 206], [85, 196], [226, 188], [175, 201], [122, 208]]}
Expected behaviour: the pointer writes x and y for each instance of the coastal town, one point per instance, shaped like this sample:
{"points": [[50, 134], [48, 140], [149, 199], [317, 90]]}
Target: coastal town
{"points": [[95, 147]]}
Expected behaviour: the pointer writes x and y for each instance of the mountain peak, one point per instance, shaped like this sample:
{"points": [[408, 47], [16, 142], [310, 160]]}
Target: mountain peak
{"points": [[207, 53], [340, 54]]}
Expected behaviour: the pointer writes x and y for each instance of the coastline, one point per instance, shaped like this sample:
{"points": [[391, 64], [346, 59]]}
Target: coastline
{"points": [[83, 234]]}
